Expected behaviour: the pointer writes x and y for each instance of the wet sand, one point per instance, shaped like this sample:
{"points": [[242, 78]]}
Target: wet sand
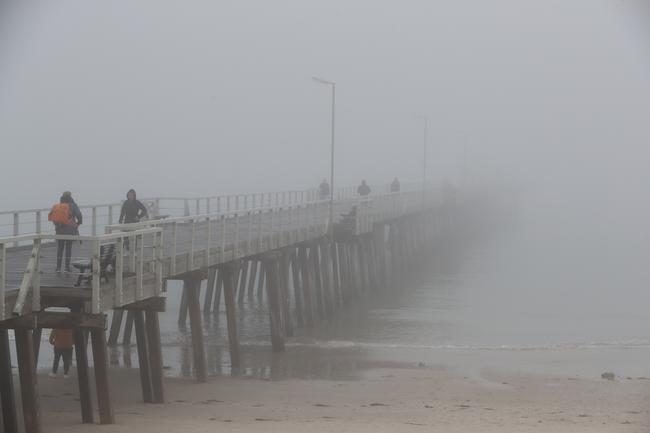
{"points": [[424, 399]]}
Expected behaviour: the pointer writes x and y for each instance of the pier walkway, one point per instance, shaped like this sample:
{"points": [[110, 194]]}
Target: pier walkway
{"points": [[275, 241]]}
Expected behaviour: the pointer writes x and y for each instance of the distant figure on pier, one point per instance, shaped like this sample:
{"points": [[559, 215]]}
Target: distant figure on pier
{"points": [[67, 218], [364, 189], [324, 190], [132, 212], [132, 209], [395, 186], [63, 343]]}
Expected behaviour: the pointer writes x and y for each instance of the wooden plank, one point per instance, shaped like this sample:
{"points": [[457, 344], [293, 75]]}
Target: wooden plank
{"points": [[100, 363], [154, 303], [155, 356], [192, 287], [7, 393], [116, 325], [28, 380], [143, 356], [231, 314], [56, 319], [81, 355]]}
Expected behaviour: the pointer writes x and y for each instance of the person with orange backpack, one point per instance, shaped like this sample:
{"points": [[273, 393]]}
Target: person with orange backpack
{"points": [[67, 218]]}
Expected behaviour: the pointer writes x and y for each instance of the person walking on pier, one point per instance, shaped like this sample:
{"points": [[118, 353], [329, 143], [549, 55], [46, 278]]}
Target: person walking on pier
{"points": [[67, 218], [63, 343], [364, 189], [324, 190], [395, 186]]}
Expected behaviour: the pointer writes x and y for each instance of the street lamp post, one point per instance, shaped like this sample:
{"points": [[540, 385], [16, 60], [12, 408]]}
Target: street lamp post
{"points": [[331, 217], [424, 154]]}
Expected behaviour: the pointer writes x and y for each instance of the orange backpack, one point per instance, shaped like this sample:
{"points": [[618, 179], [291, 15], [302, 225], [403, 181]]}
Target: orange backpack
{"points": [[60, 214]]}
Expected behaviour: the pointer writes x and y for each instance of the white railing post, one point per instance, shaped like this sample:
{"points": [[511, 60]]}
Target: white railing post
{"points": [[223, 239], [38, 222], [119, 271], [260, 232], [96, 290], [94, 221], [174, 243], [140, 270], [110, 215], [250, 232], [228, 203], [237, 203], [187, 207], [36, 279], [16, 226], [198, 206], [209, 240], [236, 241], [158, 261], [270, 246], [191, 257], [207, 205]]}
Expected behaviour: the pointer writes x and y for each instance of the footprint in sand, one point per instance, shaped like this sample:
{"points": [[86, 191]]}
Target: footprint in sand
{"points": [[378, 404]]}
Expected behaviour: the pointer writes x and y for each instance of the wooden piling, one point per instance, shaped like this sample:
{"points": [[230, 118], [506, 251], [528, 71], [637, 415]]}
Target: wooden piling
{"points": [[28, 380], [128, 327], [183, 309], [326, 278], [36, 338], [243, 281], [143, 356], [192, 286], [336, 286], [315, 274], [100, 364], [297, 289], [209, 290], [7, 394], [83, 378], [252, 278], [231, 313], [217, 294], [260, 281], [274, 301], [306, 287], [155, 356], [285, 293], [116, 325]]}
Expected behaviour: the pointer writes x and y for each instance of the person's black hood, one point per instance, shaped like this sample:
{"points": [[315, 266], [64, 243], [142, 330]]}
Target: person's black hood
{"points": [[135, 196]]}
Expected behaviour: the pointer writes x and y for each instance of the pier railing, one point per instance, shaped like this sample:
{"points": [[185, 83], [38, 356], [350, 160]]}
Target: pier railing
{"points": [[97, 217], [135, 272]]}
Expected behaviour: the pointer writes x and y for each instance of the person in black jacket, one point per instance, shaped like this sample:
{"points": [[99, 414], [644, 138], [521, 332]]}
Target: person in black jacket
{"points": [[363, 189], [132, 209], [132, 212]]}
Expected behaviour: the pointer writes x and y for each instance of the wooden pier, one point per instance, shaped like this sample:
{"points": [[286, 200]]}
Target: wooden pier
{"points": [[241, 251]]}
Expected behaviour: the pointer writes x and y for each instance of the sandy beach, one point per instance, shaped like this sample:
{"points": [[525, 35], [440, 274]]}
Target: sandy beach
{"points": [[425, 399]]}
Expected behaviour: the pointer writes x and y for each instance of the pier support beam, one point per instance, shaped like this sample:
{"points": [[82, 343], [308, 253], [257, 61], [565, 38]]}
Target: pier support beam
{"points": [[271, 262], [306, 287], [155, 356], [143, 356], [7, 395], [83, 378], [28, 381], [100, 363], [192, 286], [229, 271], [116, 325]]}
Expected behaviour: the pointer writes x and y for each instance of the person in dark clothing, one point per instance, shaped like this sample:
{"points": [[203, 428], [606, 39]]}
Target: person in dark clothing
{"points": [[363, 189], [63, 342], [69, 225], [132, 212], [132, 209], [395, 186], [324, 190]]}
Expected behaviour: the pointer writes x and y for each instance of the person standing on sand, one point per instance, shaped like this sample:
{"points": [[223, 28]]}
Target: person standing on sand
{"points": [[63, 343]]}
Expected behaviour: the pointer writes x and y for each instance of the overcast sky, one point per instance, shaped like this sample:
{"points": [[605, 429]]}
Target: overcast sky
{"points": [[209, 97]]}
